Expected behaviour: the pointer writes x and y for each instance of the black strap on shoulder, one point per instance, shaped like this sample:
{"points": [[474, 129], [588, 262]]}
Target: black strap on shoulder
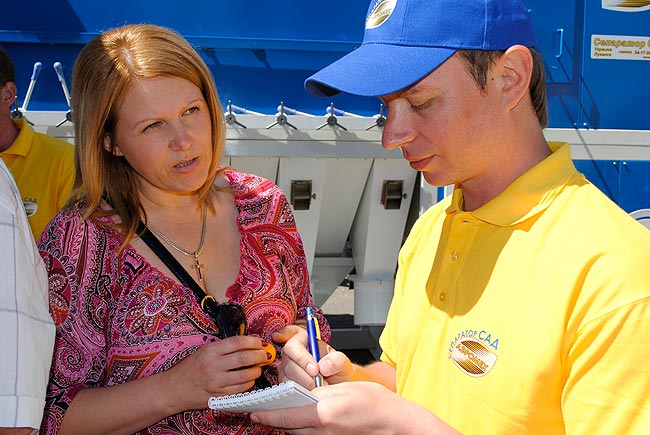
{"points": [[168, 259]]}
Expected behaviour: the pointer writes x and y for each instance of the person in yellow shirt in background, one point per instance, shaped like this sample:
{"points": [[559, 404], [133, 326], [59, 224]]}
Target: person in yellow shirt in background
{"points": [[42, 165]]}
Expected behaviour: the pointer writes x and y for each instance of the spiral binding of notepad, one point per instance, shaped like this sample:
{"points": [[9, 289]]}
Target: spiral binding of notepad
{"points": [[285, 395]]}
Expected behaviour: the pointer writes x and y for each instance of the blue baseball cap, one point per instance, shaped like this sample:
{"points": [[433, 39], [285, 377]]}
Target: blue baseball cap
{"points": [[405, 40]]}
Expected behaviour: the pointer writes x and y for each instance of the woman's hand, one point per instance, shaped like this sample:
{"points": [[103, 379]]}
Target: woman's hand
{"points": [[218, 368]]}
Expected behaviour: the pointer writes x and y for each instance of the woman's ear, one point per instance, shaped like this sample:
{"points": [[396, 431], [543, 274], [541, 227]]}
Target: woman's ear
{"points": [[108, 146], [516, 70]]}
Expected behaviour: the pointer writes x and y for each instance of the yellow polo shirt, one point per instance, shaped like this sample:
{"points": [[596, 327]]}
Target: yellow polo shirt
{"points": [[530, 315], [43, 168]]}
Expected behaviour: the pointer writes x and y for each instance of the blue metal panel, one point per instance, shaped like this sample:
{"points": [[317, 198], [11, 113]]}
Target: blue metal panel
{"points": [[634, 187], [558, 27], [260, 52], [615, 91], [334, 20], [555, 30]]}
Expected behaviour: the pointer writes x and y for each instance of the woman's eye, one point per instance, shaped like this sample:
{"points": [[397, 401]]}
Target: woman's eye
{"points": [[192, 110], [152, 125]]}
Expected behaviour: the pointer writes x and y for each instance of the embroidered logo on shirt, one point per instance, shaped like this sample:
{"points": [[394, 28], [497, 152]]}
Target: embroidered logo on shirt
{"points": [[31, 206], [471, 352]]}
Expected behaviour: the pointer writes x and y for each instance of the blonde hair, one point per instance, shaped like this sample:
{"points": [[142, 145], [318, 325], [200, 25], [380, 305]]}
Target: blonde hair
{"points": [[104, 71]]}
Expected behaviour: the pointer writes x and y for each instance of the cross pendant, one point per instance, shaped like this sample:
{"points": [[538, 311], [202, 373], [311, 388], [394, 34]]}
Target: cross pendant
{"points": [[197, 266]]}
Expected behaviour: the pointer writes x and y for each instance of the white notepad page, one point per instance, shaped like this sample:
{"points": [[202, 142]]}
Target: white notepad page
{"points": [[285, 395]]}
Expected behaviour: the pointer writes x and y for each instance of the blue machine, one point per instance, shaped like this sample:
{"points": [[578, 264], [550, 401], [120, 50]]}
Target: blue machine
{"points": [[260, 52]]}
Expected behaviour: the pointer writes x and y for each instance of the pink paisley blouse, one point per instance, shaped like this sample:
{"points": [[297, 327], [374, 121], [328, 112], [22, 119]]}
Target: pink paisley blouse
{"points": [[119, 319]]}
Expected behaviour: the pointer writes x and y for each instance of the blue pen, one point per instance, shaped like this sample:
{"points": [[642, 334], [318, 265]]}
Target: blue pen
{"points": [[313, 334]]}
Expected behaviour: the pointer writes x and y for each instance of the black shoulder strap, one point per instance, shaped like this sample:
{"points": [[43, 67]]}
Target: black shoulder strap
{"points": [[169, 260]]}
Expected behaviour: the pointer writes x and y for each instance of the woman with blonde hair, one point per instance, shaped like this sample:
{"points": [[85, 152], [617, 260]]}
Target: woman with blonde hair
{"points": [[168, 273]]}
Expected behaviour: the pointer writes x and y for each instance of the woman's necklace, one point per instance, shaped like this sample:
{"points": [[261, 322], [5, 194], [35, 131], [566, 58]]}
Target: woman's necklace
{"points": [[195, 255]]}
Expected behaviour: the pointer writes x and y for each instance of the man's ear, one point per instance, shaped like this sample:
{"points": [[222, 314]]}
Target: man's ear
{"points": [[516, 67], [108, 146], [8, 94]]}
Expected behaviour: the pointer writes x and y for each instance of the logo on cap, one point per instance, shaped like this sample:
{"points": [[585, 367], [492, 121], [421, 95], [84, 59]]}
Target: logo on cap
{"points": [[472, 357], [380, 13]]}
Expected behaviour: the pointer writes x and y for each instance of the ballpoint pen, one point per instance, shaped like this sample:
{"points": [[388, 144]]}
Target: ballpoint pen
{"points": [[313, 334]]}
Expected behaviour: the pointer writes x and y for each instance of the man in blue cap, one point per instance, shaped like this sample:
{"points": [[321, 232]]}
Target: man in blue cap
{"points": [[522, 301]]}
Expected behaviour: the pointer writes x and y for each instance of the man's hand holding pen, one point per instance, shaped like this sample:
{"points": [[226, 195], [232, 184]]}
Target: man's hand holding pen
{"points": [[299, 365]]}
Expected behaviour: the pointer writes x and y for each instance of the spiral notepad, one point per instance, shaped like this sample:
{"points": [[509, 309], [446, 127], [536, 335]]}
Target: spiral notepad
{"points": [[285, 395]]}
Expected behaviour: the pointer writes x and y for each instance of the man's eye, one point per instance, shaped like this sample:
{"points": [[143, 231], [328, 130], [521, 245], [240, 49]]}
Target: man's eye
{"points": [[423, 106]]}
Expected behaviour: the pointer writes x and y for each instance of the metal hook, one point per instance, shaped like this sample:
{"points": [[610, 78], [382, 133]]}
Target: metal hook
{"points": [[18, 114], [281, 119], [331, 120], [58, 68], [231, 118], [380, 121], [68, 118]]}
